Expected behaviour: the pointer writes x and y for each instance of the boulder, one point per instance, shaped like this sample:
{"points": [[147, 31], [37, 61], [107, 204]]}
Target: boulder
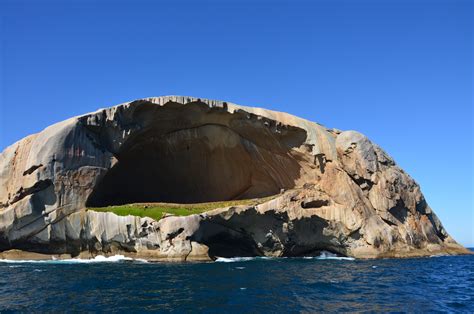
{"points": [[332, 190]]}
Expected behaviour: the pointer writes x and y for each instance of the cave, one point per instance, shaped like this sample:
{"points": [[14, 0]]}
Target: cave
{"points": [[226, 245], [218, 158]]}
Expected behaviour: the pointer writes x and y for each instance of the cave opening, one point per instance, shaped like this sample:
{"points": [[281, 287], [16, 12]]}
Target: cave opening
{"points": [[228, 245], [204, 163]]}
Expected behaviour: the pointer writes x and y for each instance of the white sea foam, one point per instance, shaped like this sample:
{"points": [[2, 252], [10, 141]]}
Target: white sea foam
{"points": [[329, 255], [234, 259], [439, 255], [325, 255], [97, 259]]}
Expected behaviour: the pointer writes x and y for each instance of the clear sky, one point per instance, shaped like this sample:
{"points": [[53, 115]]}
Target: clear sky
{"points": [[400, 72]]}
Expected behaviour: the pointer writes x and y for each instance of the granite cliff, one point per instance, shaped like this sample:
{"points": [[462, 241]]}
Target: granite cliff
{"points": [[335, 190]]}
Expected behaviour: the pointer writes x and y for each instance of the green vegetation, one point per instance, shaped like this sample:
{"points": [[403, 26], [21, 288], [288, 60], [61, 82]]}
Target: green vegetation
{"points": [[157, 210]]}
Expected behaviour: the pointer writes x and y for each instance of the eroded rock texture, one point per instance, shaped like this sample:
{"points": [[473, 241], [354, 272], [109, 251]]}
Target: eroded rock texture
{"points": [[337, 191]]}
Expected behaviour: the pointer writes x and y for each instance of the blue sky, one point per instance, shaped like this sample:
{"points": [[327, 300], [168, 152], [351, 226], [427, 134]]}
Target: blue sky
{"points": [[400, 72]]}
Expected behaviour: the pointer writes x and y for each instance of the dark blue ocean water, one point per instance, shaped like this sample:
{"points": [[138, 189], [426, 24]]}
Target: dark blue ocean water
{"points": [[258, 285]]}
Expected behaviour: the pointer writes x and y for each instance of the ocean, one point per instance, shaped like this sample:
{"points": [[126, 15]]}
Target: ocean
{"points": [[325, 283]]}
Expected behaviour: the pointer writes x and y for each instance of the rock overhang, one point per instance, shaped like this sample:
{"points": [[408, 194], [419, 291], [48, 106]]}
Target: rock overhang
{"points": [[194, 152]]}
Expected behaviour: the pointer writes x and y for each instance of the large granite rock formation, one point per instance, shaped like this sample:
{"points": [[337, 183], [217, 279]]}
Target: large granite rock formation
{"points": [[336, 190]]}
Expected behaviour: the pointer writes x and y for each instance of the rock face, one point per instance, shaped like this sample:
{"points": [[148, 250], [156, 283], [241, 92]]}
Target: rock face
{"points": [[336, 191]]}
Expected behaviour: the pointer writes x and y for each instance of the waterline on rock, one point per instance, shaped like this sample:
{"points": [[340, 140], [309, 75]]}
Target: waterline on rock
{"points": [[96, 259]]}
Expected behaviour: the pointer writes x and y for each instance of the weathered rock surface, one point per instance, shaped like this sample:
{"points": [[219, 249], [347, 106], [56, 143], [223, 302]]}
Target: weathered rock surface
{"points": [[341, 192]]}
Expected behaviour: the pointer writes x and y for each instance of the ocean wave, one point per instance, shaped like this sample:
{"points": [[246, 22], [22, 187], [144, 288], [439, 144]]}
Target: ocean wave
{"points": [[234, 259], [96, 259], [329, 255], [324, 255], [439, 255]]}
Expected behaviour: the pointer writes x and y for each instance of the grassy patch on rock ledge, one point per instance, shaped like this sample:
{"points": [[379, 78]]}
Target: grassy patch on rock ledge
{"points": [[158, 210]]}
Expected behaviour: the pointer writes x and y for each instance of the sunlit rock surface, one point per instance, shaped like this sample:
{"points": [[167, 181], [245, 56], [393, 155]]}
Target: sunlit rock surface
{"points": [[336, 191]]}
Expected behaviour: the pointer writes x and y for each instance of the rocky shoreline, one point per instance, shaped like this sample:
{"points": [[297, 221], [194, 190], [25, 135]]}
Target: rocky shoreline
{"points": [[19, 255]]}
